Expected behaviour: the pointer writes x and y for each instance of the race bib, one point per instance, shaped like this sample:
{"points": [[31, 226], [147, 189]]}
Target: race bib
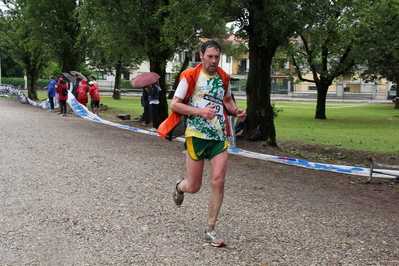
{"points": [[210, 100]]}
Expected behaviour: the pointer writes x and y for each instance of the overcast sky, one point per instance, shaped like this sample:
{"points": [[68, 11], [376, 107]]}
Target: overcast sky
{"points": [[2, 5]]}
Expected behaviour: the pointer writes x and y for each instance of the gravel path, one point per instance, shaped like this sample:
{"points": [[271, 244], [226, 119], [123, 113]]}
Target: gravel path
{"points": [[75, 192]]}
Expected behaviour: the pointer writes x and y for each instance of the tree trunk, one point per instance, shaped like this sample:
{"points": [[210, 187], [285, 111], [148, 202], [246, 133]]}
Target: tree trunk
{"points": [[32, 77], [321, 101], [184, 67], [118, 79], [259, 108], [397, 103]]}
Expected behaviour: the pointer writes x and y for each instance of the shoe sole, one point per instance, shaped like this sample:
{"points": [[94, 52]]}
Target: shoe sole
{"points": [[174, 195], [178, 203], [218, 245]]}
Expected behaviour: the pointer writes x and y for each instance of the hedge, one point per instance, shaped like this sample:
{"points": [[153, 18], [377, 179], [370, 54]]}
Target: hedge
{"points": [[41, 83]]}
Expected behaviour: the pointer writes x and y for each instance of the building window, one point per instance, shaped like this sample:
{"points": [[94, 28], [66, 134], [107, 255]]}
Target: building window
{"points": [[228, 59], [126, 75], [197, 57], [102, 76], [168, 77], [312, 88]]}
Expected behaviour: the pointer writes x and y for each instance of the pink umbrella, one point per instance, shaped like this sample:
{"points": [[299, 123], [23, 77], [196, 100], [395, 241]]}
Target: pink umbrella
{"points": [[145, 79]]}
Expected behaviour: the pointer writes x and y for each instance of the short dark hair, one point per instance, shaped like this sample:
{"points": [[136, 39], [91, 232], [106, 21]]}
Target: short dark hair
{"points": [[210, 44]]}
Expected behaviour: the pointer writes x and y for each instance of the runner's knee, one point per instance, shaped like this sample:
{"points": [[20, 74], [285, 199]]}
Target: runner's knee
{"points": [[193, 188], [218, 181]]}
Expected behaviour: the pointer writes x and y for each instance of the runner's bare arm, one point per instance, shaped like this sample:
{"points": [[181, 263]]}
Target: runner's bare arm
{"points": [[179, 107], [232, 107]]}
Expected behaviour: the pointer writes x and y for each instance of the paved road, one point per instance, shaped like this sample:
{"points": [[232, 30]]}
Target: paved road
{"points": [[75, 192]]}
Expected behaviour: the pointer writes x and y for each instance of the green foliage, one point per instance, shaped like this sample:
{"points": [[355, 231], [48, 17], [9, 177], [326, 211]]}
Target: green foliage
{"points": [[126, 85], [21, 42], [326, 46], [53, 68], [112, 40], [380, 41], [14, 81], [56, 28], [330, 45], [238, 85], [9, 67], [41, 83]]}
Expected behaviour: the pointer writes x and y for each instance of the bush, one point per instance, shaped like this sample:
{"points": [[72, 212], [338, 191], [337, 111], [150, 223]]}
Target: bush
{"points": [[41, 83], [126, 85], [238, 84], [14, 81]]}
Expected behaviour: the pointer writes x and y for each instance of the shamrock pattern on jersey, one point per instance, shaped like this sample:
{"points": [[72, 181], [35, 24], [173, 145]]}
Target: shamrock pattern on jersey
{"points": [[208, 90]]}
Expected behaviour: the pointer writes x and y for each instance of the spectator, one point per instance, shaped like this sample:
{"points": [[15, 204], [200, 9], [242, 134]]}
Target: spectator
{"points": [[95, 98], [146, 106], [51, 91], [153, 98], [76, 84], [62, 91], [82, 91], [93, 79]]}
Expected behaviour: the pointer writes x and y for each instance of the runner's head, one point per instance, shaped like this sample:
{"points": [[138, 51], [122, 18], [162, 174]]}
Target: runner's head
{"points": [[210, 57]]}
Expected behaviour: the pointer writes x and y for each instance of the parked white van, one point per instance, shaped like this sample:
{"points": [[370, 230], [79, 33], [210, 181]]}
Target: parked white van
{"points": [[391, 95]]}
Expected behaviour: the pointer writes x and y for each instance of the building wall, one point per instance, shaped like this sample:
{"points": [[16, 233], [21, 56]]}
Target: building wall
{"points": [[235, 67], [225, 64], [355, 85]]}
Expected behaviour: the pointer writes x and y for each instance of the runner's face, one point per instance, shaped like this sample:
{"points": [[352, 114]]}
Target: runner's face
{"points": [[210, 60]]}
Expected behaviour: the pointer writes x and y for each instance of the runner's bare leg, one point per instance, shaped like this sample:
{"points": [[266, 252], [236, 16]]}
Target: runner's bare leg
{"points": [[193, 182], [219, 168]]}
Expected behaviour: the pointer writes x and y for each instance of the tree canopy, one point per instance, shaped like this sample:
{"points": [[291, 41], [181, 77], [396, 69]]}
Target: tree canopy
{"points": [[327, 46], [334, 41], [381, 42], [39, 31]]}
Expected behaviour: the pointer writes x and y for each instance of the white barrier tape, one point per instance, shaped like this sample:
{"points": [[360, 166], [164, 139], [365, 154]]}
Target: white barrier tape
{"points": [[343, 169], [82, 111]]}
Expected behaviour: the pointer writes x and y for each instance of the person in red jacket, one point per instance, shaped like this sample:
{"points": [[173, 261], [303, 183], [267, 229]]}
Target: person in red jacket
{"points": [[62, 91], [95, 98], [82, 91]]}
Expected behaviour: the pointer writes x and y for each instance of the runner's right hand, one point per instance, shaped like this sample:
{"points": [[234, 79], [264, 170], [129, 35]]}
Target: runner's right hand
{"points": [[209, 112]]}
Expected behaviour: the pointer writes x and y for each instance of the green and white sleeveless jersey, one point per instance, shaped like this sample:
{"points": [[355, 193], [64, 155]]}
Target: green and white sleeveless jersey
{"points": [[209, 90]]}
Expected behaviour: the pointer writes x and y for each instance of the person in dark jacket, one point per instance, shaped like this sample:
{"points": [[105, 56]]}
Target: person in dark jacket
{"points": [[76, 84], [51, 90], [153, 98], [146, 105]]}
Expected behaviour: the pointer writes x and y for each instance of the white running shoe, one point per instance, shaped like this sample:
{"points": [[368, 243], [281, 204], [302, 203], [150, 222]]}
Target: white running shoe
{"points": [[214, 239]]}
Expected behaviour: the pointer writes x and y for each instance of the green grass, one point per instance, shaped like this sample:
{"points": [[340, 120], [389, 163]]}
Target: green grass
{"points": [[126, 105], [351, 126]]}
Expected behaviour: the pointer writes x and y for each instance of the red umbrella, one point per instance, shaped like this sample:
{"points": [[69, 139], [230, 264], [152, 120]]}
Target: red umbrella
{"points": [[145, 79]]}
